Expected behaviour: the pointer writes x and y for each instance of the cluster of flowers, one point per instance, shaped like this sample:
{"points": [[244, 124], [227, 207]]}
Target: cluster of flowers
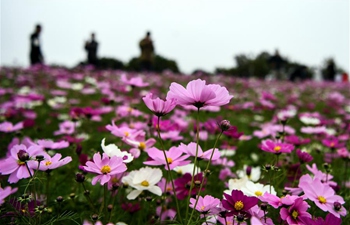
{"points": [[145, 167]]}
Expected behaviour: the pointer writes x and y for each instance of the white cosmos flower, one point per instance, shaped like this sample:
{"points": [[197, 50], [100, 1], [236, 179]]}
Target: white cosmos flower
{"points": [[113, 150], [236, 184], [256, 189], [310, 120], [187, 169], [144, 179], [254, 175]]}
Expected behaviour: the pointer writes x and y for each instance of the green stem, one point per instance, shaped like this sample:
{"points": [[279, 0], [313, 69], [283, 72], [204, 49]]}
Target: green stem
{"points": [[205, 171], [195, 163], [169, 171]]}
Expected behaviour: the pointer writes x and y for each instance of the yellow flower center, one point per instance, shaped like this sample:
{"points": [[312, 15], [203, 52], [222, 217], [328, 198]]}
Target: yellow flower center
{"points": [[170, 160], [258, 193], [321, 199], [126, 134], [332, 144], [142, 146], [239, 205], [129, 110], [277, 148], [19, 162], [202, 208], [105, 169], [48, 163], [145, 183], [295, 214]]}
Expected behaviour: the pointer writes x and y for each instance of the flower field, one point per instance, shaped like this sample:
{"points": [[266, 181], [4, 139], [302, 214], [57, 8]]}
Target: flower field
{"points": [[114, 147]]}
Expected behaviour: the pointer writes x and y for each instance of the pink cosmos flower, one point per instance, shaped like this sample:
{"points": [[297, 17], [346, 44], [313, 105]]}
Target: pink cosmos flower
{"points": [[199, 94], [125, 132], [190, 150], [134, 81], [50, 163], [104, 167], [293, 213], [139, 146], [174, 158], [5, 192], [324, 197], [66, 127], [165, 214], [15, 164], [207, 205], [158, 106], [8, 127], [49, 144], [276, 147]]}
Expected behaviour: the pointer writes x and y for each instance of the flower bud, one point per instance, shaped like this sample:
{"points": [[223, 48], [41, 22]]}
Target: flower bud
{"points": [[23, 156], [94, 217], [225, 125], [79, 177], [337, 206], [39, 158], [59, 199]]}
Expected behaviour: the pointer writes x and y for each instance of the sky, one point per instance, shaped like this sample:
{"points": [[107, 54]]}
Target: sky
{"points": [[203, 34]]}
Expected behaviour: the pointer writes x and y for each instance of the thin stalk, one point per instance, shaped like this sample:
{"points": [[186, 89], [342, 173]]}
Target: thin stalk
{"points": [[88, 198], [206, 169], [195, 162], [169, 171]]}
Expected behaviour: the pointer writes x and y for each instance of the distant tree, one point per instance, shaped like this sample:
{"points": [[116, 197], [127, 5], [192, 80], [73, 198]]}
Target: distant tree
{"points": [[160, 64], [110, 63]]}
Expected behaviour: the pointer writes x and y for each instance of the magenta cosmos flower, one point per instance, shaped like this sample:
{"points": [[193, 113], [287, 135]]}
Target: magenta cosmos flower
{"points": [[276, 147], [293, 214], [104, 167], [158, 106], [50, 163], [237, 202], [198, 94], [174, 158]]}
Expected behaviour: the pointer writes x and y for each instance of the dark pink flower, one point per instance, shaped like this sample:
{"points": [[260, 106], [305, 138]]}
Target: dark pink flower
{"points": [[237, 202], [293, 213], [198, 94], [276, 147], [183, 184], [304, 157]]}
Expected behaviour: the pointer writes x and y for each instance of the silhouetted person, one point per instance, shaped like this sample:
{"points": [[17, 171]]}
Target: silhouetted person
{"points": [[91, 49], [36, 57], [276, 62], [330, 71], [147, 50]]}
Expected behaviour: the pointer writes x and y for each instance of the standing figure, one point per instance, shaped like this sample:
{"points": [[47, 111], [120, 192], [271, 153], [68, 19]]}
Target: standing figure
{"points": [[330, 70], [276, 62], [147, 51], [91, 49], [36, 56]]}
